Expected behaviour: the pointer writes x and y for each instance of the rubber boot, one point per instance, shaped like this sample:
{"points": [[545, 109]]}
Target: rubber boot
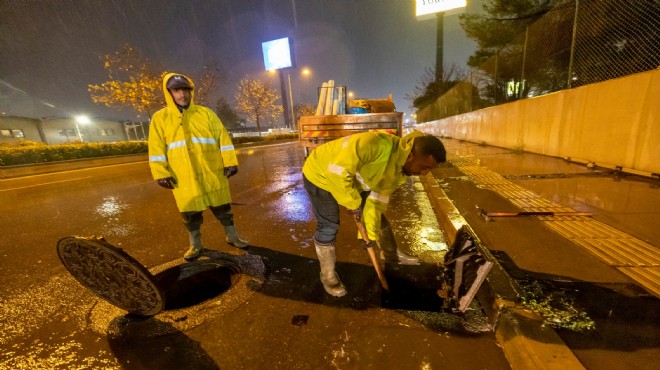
{"points": [[396, 255], [233, 239], [195, 238], [329, 278]]}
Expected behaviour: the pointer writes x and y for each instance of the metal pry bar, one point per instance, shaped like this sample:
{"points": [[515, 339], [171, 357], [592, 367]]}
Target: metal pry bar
{"points": [[488, 215]]}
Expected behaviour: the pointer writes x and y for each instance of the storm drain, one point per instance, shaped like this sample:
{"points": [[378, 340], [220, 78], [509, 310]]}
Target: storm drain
{"points": [[633, 257], [189, 284]]}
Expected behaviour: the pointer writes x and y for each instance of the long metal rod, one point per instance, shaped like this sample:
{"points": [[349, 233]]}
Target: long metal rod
{"points": [[488, 215], [293, 111]]}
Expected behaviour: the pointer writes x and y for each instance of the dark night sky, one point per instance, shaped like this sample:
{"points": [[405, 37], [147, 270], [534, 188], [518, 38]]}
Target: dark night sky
{"points": [[50, 48]]}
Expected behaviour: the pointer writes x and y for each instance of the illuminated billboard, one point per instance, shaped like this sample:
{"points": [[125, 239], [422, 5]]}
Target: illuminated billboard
{"points": [[429, 7], [277, 54]]}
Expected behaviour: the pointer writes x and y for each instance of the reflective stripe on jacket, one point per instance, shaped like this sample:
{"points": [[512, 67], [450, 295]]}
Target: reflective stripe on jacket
{"points": [[193, 147], [366, 161]]}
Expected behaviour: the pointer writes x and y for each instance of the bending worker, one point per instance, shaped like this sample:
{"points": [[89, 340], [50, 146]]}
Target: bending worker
{"points": [[191, 153], [360, 172]]}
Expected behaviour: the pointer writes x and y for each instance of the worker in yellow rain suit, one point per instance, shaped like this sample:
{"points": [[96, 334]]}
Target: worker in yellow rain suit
{"points": [[191, 153], [360, 172]]}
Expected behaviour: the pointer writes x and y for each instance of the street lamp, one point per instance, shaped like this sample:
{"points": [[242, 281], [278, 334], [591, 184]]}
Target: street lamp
{"points": [[305, 72], [83, 120]]}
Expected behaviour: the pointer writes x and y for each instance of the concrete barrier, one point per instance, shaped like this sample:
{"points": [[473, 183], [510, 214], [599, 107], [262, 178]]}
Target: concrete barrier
{"points": [[613, 124]]}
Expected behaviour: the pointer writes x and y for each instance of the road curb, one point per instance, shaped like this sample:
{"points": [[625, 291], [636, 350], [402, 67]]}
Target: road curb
{"points": [[526, 342], [8, 172]]}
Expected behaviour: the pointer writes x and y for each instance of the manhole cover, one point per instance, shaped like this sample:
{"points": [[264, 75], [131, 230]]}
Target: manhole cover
{"points": [[111, 274]]}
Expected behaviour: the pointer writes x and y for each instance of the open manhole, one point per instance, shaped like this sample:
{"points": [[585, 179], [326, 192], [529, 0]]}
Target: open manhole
{"points": [[113, 275]]}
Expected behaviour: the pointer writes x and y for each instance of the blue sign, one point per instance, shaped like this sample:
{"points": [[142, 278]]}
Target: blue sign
{"points": [[277, 54]]}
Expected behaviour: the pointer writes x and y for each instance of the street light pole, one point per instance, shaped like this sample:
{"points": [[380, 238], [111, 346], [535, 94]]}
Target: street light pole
{"points": [[293, 113], [83, 120], [78, 131], [439, 51], [285, 103]]}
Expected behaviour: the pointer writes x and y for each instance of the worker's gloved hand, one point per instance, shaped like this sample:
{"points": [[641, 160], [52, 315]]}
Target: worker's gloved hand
{"points": [[356, 213], [231, 171], [366, 245], [167, 182]]}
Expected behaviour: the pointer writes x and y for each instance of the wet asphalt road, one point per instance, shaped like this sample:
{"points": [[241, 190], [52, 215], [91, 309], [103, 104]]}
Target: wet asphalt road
{"points": [[277, 316]]}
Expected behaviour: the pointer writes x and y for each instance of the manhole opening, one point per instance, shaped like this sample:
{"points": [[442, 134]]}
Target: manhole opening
{"points": [[195, 282]]}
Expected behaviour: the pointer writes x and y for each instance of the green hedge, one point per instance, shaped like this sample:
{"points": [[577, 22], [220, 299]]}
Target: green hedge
{"points": [[30, 152], [27, 152]]}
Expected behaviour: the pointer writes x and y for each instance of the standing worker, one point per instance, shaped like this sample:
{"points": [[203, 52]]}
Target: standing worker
{"points": [[360, 172], [191, 153]]}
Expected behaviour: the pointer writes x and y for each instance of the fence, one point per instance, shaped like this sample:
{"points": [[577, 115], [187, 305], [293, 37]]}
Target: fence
{"points": [[578, 42]]}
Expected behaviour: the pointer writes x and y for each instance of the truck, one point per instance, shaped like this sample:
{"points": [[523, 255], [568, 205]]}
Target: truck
{"points": [[316, 130], [375, 116]]}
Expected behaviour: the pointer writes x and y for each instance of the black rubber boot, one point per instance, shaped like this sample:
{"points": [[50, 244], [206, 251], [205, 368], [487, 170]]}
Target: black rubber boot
{"points": [[195, 238]]}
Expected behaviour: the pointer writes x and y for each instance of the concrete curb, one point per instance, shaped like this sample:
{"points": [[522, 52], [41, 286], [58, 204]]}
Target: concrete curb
{"points": [[526, 342], [9, 172]]}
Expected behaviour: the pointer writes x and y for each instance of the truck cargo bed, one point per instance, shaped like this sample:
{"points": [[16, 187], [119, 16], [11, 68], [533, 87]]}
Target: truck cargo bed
{"points": [[316, 130]]}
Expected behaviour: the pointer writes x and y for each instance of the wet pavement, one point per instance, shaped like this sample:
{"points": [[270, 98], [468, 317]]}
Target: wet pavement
{"points": [[593, 279], [588, 300], [275, 316]]}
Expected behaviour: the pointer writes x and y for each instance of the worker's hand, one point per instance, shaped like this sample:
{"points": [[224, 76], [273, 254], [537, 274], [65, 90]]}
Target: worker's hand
{"points": [[231, 171], [365, 244], [356, 213], [167, 182]]}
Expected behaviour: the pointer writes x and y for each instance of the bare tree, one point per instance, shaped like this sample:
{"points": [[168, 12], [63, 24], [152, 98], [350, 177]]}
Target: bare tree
{"points": [[304, 110], [429, 88], [207, 81]]}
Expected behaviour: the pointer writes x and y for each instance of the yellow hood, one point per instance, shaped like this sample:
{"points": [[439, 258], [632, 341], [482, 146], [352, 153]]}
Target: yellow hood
{"points": [[168, 97]]}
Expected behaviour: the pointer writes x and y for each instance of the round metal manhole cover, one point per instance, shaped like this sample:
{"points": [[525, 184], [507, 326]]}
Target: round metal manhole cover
{"points": [[111, 274]]}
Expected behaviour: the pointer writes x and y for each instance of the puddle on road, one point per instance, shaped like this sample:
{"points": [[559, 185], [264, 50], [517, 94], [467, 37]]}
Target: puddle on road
{"points": [[111, 206], [109, 211]]}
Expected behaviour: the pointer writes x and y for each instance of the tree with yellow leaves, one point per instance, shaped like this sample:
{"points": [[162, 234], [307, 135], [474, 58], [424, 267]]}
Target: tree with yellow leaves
{"points": [[257, 99], [135, 82]]}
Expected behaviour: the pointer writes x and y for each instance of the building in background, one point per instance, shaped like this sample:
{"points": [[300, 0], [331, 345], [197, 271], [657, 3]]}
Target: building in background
{"points": [[60, 130]]}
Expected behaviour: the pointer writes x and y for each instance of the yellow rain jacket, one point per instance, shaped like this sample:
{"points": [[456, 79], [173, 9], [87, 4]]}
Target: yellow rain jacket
{"points": [[359, 162], [194, 148]]}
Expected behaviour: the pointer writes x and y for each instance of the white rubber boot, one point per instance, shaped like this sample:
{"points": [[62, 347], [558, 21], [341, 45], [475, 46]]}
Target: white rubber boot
{"points": [[329, 278], [195, 238], [233, 239]]}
